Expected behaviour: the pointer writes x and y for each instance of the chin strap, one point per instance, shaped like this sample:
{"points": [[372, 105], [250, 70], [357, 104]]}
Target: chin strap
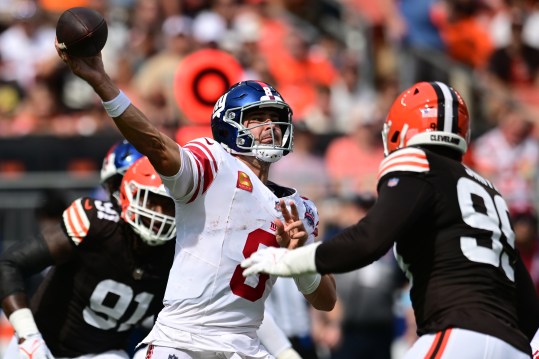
{"points": [[268, 155]]}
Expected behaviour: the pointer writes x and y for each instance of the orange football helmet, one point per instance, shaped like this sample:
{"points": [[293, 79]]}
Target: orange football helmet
{"points": [[146, 205], [428, 113]]}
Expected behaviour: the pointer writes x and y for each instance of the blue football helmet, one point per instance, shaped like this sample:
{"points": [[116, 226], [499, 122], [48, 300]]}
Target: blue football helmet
{"points": [[118, 159], [227, 120]]}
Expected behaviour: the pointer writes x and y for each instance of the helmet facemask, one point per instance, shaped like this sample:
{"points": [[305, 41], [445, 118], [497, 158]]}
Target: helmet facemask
{"points": [[146, 205], [266, 152], [153, 227]]}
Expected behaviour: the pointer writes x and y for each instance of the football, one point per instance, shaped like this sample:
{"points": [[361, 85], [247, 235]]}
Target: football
{"points": [[81, 32]]}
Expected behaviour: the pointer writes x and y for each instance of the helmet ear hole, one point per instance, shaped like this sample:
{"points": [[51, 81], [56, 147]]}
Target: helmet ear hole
{"points": [[395, 136]]}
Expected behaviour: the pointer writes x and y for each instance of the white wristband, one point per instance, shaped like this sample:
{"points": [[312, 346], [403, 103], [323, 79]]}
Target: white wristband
{"points": [[304, 261], [307, 283], [117, 105], [23, 322]]}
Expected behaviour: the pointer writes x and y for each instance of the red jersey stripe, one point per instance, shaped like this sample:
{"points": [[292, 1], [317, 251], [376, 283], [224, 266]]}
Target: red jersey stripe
{"points": [[208, 166], [204, 146], [200, 174]]}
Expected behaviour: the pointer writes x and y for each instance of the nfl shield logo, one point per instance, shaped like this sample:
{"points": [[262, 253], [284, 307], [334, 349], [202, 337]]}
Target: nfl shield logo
{"points": [[393, 182]]}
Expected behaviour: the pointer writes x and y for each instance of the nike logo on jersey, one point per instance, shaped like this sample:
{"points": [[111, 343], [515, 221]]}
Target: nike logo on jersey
{"points": [[87, 205], [244, 182], [392, 182]]}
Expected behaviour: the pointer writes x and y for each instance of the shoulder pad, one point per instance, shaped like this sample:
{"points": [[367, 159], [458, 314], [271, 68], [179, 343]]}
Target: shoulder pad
{"points": [[85, 214], [405, 160]]}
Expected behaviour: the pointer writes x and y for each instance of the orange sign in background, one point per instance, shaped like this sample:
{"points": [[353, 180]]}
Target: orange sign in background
{"points": [[201, 78]]}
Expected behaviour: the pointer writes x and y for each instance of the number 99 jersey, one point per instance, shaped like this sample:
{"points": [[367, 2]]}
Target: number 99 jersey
{"points": [[452, 237], [90, 303]]}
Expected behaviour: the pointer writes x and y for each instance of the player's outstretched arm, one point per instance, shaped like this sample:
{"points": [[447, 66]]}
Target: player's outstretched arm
{"points": [[17, 263], [132, 123]]}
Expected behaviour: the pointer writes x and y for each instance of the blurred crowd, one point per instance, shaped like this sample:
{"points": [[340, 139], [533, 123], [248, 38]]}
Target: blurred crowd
{"points": [[339, 64]]}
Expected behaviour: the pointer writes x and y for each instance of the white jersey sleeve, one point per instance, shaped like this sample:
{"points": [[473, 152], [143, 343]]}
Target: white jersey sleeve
{"points": [[197, 171]]}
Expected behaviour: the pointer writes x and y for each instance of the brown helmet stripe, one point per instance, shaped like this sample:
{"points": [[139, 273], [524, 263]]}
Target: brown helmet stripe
{"points": [[455, 103], [441, 102], [446, 107]]}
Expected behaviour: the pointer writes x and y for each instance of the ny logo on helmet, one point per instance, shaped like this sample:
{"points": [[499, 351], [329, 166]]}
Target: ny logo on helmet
{"points": [[219, 106]]}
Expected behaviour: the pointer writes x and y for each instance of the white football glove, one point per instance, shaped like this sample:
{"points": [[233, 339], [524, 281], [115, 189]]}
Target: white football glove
{"points": [[281, 261], [289, 354], [34, 347]]}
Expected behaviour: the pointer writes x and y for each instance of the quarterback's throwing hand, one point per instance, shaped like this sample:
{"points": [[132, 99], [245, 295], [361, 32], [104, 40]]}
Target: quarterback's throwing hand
{"points": [[291, 232], [34, 347]]}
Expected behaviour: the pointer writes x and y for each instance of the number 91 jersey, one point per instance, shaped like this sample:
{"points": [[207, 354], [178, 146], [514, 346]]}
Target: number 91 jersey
{"points": [[456, 244], [90, 303]]}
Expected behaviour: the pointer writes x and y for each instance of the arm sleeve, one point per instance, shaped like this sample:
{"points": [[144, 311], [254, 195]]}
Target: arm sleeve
{"points": [[527, 300], [397, 209], [200, 160], [21, 261]]}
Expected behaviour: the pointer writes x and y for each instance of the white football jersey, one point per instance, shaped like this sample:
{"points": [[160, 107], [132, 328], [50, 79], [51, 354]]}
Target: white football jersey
{"points": [[224, 213]]}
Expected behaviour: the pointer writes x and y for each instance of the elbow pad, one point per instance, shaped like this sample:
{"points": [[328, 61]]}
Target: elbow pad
{"points": [[19, 262]]}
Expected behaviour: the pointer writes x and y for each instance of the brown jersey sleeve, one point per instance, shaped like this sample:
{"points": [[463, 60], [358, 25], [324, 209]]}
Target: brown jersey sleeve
{"points": [[401, 204]]}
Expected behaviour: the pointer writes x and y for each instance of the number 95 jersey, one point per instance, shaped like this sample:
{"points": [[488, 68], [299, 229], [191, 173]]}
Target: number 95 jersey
{"points": [[457, 246], [90, 303], [452, 237]]}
